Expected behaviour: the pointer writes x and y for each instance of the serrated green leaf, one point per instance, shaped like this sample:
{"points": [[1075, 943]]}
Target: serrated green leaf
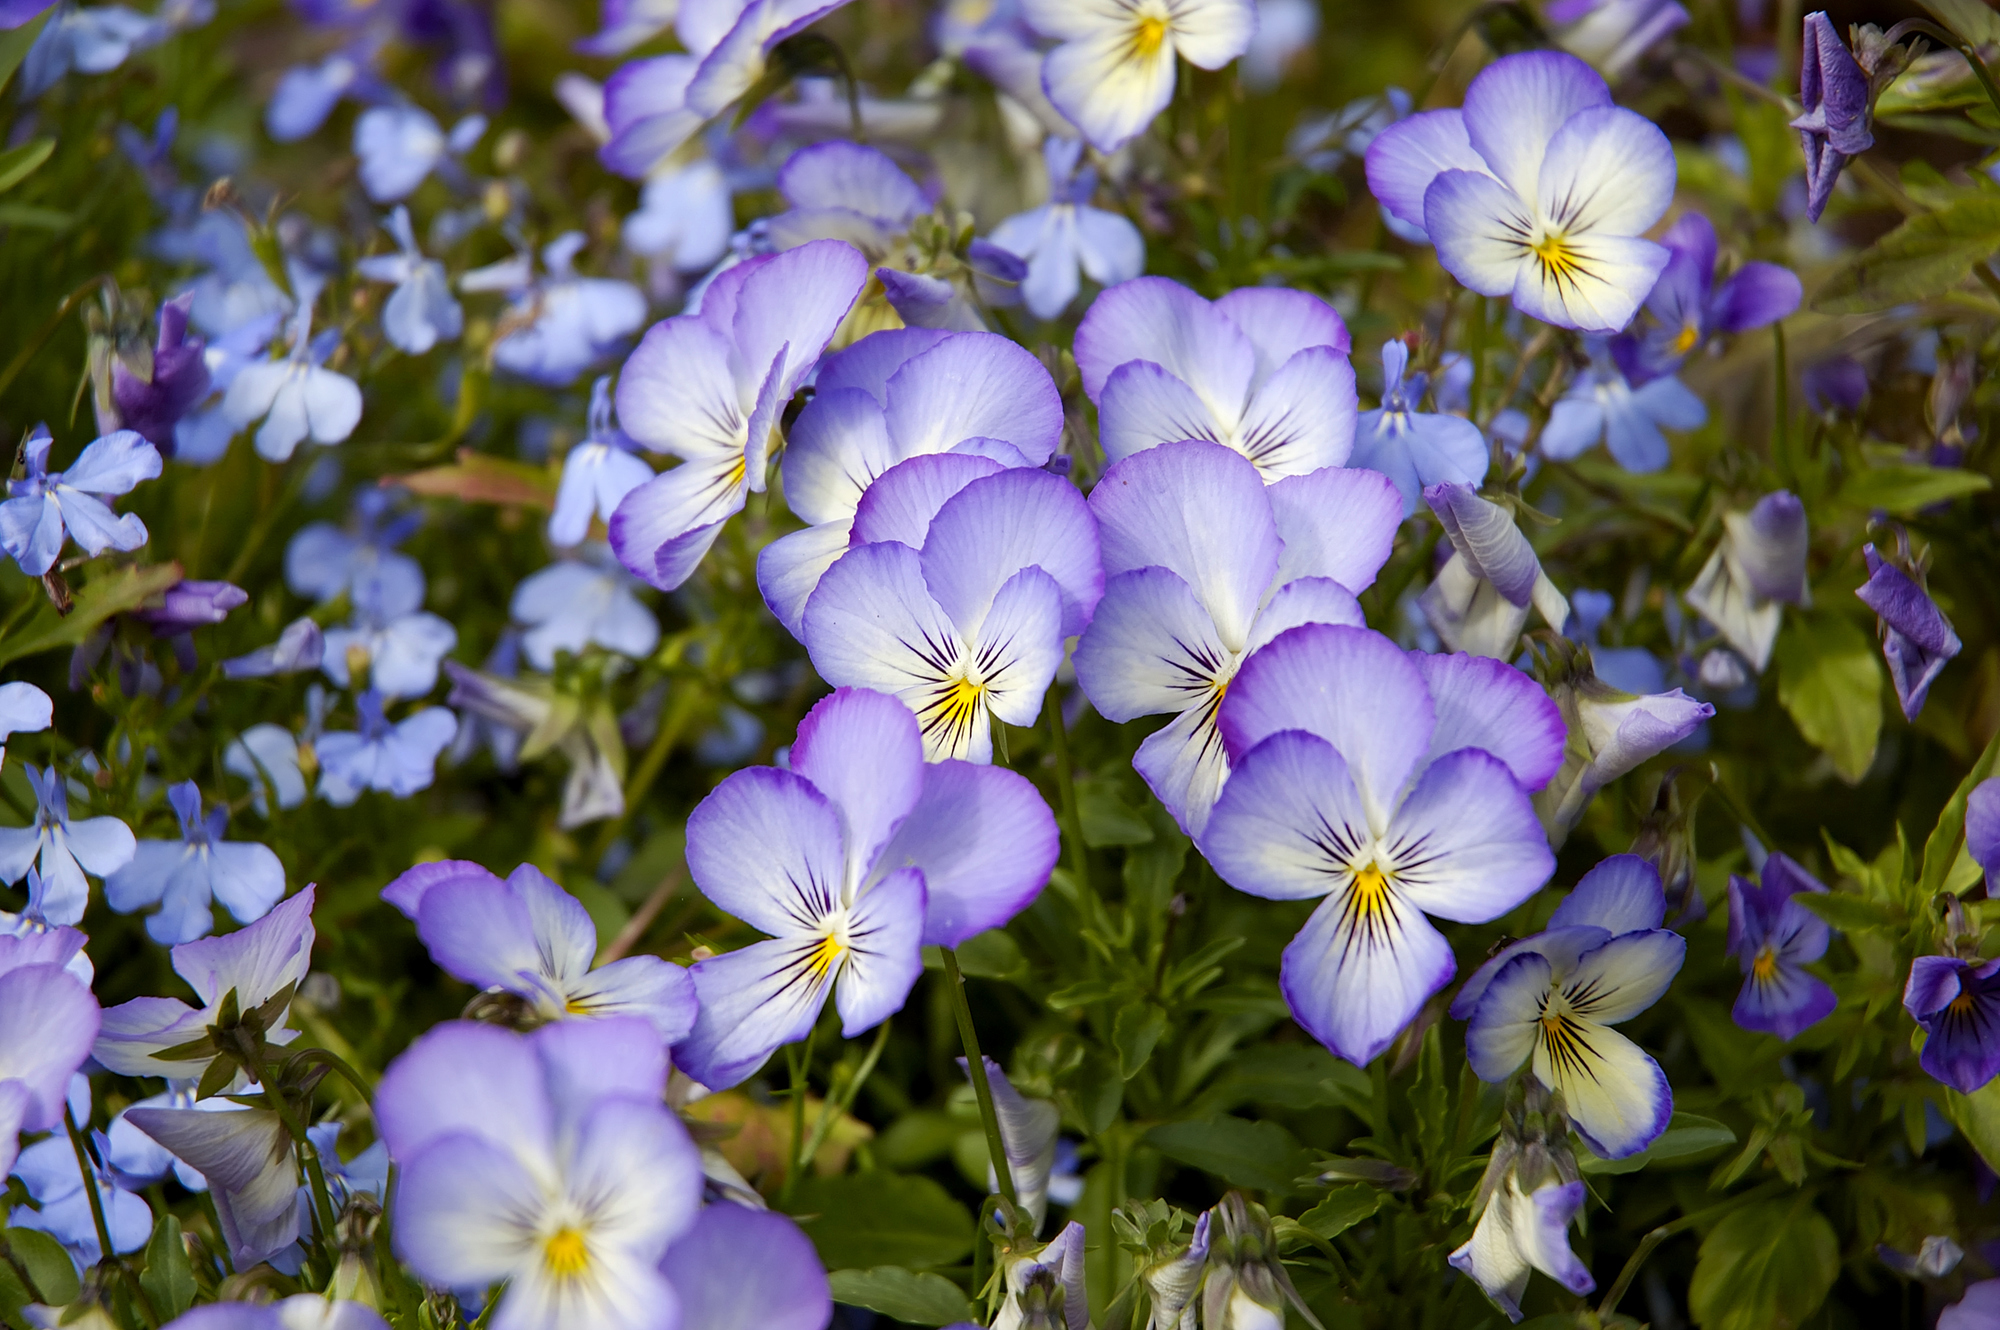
{"points": [[1687, 1139], [1107, 819], [1830, 680], [991, 955], [863, 1220], [1904, 490], [111, 591], [17, 164], [1928, 255], [1259, 1155], [1135, 1033], [901, 1295], [1767, 1266], [46, 1264], [1851, 913], [1941, 849], [168, 1278], [1343, 1208]]}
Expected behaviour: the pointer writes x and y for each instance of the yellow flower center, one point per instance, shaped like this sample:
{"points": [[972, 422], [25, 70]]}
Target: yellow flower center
{"points": [[952, 711], [1961, 1005], [566, 1254], [1559, 258], [1149, 37], [1368, 898], [1688, 337], [1764, 966], [826, 955]]}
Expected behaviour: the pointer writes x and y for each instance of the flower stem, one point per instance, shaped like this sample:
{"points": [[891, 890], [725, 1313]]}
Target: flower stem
{"points": [[838, 1103], [1665, 1231], [86, 1166], [975, 1065], [1072, 817], [1780, 402], [322, 1198], [801, 1064]]}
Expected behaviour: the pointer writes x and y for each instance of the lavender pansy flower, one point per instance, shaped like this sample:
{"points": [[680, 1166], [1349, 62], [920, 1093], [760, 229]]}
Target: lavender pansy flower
{"points": [[851, 860], [685, 217], [1205, 564], [740, 1268], [629, 23], [569, 322], [66, 850], [1392, 785], [265, 960], [1758, 568], [1113, 70], [1521, 1231], [49, 1170], [44, 508], [300, 647], [890, 397], [1613, 34], [1480, 599], [48, 1020], [1979, 1309], [1772, 937], [24, 709], [399, 758], [183, 876], [301, 1311], [1611, 732], [1539, 189], [1917, 640], [597, 474], [1549, 1003], [529, 937], [1687, 307], [1603, 406], [295, 396], [1044, 1289], [579, 602], [360, 559], [546, 1160], [136, 1160], [1415, 449], [709, 388], [246, 1157], [1958, 1003], [1262, 370], [420, 312], [1067, 234], [401, 652], [400, 145], [960, 605], [1835, 125], [152, 407], [839, 190]]}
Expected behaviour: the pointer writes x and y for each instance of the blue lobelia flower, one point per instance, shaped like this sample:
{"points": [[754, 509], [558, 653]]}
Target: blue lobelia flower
{"points": [[1204, 564], [295, 396], [1613, 34], [48, 1020], [851, 861], [183, 876], [566, 323], [597, 474], [1917, 640], [420, 313], [960, 603], [1539, 189], [1758, 568], [399, 758], [527, 936], [66, 850], [1066, 235], [1835, 125], [401, 651], [1480, 599], [1113, 70], [743, 1267], [1687, 308], [267, 756], [44, 508], [24, 709], [547, 1161], [399, 145], [1549, 1002], [180, 380], [1772, 937], [202, 437], [1415, 449], [360, 559], [685, 217], [1957, 1002], [1603, 406], [1393, 785], [709, 388], [50, 1172], [577, 602], [306, 94], [892, 396], [1262, 370]]}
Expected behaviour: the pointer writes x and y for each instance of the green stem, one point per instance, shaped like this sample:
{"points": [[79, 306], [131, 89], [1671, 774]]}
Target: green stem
{"points": [[1781, 403], [837, 1105], [334, 1061], [86, 1166], [975, 1065], [322, 1198], [1659, 1235], [801, 1065], [1956, 43], [1066, 790]]}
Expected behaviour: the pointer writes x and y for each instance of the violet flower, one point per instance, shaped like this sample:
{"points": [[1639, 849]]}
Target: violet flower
{"points": [[852, 860], [48, 1020], [1611, 732], [564, 323], [1834, 90], [1603, 406], [323, 560], [183, 876], [1773, 937], [306, 94], [709, 388], [186, 606], [579, 602], [180, 380], [1392, 785], [44, 508], [1982, 825], [597, 473], [1917, 640], [300, 647], [1539, 189], [67, 850], [49, 1170], [1688, 308], [1262, 370], [529, 937], [1521, 1231], [1044, 1289], [1113, 69], [1066, 235], [1958, 1004], [1205, 564], [398, 758], [24, 709], [1415, 449], [420, 312], [739, 1267]]}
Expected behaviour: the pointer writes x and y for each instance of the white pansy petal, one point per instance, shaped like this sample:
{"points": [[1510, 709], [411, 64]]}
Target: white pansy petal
{"points": [[1105, 88], [1302, 419], [1517, 105], [1184, 765], [1404, 158], [884, 956], [766, 847], [1339, 522], [1609, 171], [464, 1209], [677, 394], [1152, 648], [1289, 821], [1144, 406], [1598, 290], [753, 1002], [1307, 600], [1020, 645], [1364, 964], [1466, 844], [790, 567], [837, 447], [1211, 33], [1626, 975], [1482, 231], [1506, 1019], [872, 624], [1617, 1098], [637, 1173]]}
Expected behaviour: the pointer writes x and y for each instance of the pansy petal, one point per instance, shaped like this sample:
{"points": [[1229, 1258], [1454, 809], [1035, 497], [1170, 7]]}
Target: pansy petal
{"points": [[995, 527], [676, 393], [1338, 522], [1213, 33], [1628, 974], [1020, 646], [1143, 406], [1621, 895], [1617, 1098], [1152, 648], [1184, 764], [975, 385], [1404, 158], [744, 1269], [1506, 1019], [1488, 704], [872, 624], [985, 842], [790, 307], [1519, 103], [902, 502], [1282, 323], [1288, 820], [1306, 600], [1608, 170], [1482, 232], [837, 447], [1106, 88], [663, 528], [790, 567], [766, 847], [1303, 417], [1157, 320], [462, 1078], [1358, 971], [870, 363], [1598, 290], [862, 751], [455, 1202], [1466, 844], [883, 956], [1755, 295], [753, 1001], [648, 987]]}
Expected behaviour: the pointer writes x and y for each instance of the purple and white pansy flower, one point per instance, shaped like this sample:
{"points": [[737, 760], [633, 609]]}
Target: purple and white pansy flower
{"points": [[1773, 937], [1113, 70]]}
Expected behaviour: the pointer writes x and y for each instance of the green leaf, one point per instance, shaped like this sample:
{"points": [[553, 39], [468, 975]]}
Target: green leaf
{"points": [[1941, 850], [901, 1295], [1831, 683], [168, 1278], [112, 591], [1261, 1156], [1136, 1032], [1341, 1210], [46, 1264], [1107, 819], [862, 1220], [1970, 19], [1978, 1116], [1097, 1092], [1851, 913], [17, 164], [991, 955], [1902, 490], [14, 46], [1928, 255], [38, 219], [1764, 1267], [1686, 1139]]}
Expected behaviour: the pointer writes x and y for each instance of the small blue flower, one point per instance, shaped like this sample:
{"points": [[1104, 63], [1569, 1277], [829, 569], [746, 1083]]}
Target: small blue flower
{"points": [[52, 1175], [361, 559], [597, 474], [46, 507], [24, 709], [400, 651], [267, 756], [1066, 235], [400, 145], [400, 758], [1603, 406], [1415, 449], [295, 396], [574, 603], [420, 313], [567, 322], [183, 876], [66, 850], [300, 647]]}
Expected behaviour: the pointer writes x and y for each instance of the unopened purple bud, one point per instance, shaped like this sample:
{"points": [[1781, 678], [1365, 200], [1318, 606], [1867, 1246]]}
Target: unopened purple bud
{"points": [[300, 647], [1834, 91], [180, 380], [1485, 536], [1917, 640], [1772, 547], [190, 605]]}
